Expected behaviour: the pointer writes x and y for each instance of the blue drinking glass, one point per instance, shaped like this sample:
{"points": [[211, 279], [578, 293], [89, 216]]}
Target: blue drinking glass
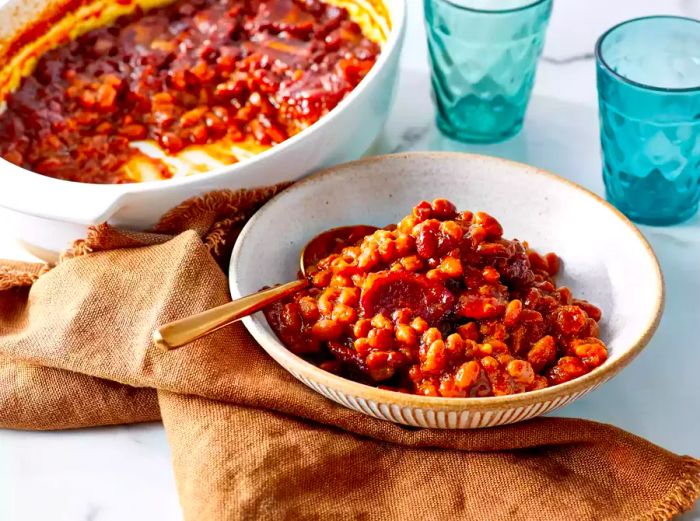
{"points": [[484, 56], [649, 99]]}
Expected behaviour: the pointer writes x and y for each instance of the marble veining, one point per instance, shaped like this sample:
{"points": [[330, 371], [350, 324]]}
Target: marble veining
{"points": [[93, 513], [566, 60], [410, 138]]}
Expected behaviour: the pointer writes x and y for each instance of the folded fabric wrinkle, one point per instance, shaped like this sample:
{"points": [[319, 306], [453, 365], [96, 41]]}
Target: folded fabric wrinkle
{"points": [[248, 440]]}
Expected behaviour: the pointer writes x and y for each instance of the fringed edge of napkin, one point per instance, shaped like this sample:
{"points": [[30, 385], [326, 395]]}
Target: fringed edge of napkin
{"points": [[19, 274], [681, 497], [103, 237], [217, 217]]}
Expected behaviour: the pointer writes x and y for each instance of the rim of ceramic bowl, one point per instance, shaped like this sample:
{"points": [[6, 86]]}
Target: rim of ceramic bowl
{"points": [[481, 10], [397, 18], [282, 355], [600, 58]]}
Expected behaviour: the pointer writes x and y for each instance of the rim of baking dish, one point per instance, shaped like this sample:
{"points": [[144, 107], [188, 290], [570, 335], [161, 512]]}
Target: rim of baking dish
{"points": [[285, 357]]}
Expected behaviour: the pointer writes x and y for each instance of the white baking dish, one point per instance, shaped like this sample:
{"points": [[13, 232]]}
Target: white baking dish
{"points": [[46, 214]]}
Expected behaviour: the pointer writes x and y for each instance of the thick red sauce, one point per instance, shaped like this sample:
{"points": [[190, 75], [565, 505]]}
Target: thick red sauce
{"points": [[441, 305], [190, 73]]}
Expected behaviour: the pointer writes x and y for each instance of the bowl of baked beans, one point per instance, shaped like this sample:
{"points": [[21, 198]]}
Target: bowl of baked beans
{"points": [[120, 109], [491, 291]]}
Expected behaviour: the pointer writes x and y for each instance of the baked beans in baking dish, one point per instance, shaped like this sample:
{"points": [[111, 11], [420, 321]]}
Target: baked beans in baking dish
{"points": [[195, 83]]}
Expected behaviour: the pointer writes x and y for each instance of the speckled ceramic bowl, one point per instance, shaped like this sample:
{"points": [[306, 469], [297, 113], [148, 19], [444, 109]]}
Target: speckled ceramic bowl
{"points": [[605, 260]]}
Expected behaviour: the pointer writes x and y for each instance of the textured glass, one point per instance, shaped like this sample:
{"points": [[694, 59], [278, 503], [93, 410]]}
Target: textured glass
{"points": [[483, 64], [649, 100]]}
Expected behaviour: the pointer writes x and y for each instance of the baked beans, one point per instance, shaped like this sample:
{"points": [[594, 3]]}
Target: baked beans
{"points": [[442, 305], [191, 73]]}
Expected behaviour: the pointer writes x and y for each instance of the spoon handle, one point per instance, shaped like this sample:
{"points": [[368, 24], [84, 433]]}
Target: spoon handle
{"points": [[180, 332]]}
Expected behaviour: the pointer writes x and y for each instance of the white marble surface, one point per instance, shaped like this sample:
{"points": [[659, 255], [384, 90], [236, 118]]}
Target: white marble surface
{"points": [[124, 472]]}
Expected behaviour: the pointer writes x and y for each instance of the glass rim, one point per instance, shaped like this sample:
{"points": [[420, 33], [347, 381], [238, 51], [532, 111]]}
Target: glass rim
{"points": [[601, 59], [533, 3]]}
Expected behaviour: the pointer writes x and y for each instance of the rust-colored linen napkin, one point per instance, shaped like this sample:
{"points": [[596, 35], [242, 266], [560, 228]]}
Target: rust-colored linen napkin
{"points": [[249, 441]]}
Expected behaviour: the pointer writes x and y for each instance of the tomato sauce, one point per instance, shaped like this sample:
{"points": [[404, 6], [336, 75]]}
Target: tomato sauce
{"points": [[191, 73], [441, 305]]}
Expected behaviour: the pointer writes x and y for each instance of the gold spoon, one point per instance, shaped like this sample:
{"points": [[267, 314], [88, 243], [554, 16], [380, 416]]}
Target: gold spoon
{"points": [[180, 332]]}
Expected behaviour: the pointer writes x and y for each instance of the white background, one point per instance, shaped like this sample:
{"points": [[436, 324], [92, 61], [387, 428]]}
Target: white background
{"points": [[122, 473]]}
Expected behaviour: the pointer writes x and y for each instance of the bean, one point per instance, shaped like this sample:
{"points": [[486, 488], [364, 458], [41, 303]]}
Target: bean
{"points": [[542, 353], [327, 329]]}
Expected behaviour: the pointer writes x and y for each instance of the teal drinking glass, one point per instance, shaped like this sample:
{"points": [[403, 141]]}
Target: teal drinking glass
{"points": [[649, 100], [484, 55]]}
